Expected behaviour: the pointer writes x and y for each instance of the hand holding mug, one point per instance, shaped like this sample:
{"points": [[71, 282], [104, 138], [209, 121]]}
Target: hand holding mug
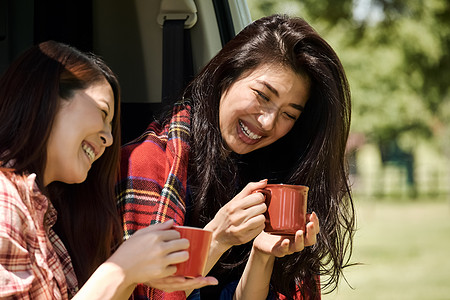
{"points": [[189, 273], [241, 219], [150, 253], [150, 256], [282, 245]]}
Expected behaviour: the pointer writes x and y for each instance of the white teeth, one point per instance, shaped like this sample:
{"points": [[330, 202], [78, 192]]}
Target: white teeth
{"points": [[89, 151], [249, 133]]}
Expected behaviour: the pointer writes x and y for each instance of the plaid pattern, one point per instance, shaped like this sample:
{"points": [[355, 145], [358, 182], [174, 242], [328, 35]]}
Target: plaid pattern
{"points": [[152, 185], [30, 252]]}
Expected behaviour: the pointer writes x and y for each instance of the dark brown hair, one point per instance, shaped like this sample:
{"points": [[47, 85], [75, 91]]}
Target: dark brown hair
{"points": [[30, 93], [312, 153]]}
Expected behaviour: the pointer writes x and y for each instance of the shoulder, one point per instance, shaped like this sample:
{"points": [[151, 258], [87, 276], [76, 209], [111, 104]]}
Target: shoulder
{"points": [[15, 218], [14, 213], [9, 194]]}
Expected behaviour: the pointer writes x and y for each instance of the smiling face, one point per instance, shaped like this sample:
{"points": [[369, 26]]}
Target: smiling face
{"points": [[261, 107], [80, 134]]}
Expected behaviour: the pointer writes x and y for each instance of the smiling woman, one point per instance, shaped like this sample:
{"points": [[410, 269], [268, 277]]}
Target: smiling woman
{"points": [[59, 111], [72, 149], [261, 107]]}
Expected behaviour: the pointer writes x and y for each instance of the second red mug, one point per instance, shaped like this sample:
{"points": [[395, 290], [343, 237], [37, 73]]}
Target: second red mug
{"points": [[199, 242]]}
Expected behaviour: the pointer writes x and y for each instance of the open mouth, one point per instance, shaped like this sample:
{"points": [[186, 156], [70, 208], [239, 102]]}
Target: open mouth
{"points": [[89, 152], [248, 133]]}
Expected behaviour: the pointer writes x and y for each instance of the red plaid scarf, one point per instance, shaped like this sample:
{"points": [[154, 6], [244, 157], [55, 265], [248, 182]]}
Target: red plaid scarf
{"points": [[152, 185]]}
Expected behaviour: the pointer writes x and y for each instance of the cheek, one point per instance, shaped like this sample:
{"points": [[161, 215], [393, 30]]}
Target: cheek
{"points": [[226, 114]]}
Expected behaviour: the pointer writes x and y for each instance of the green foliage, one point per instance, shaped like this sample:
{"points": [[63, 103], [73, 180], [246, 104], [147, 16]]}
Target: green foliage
{"points": [[397, 57]]}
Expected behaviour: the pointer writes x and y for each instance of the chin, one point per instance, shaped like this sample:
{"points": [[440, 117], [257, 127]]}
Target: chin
{"points": [[242, 148], [242, 151], [78, 180]]}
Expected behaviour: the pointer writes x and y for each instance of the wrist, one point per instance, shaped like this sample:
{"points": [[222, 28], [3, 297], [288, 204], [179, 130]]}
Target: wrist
{"points": [[217, 247], [108, 281], [262, 256], [117, 275], [216, 250]]}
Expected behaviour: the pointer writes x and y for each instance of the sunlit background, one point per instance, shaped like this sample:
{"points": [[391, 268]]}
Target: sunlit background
{"points": [[397, 57]]}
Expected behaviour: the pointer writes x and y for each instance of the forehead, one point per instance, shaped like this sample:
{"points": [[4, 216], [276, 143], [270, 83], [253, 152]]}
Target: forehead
{"points": [[102, 93], [280, 79], [275, 73]]}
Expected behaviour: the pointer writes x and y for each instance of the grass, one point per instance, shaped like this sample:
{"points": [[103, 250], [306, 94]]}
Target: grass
{"points": [[405, 249]]}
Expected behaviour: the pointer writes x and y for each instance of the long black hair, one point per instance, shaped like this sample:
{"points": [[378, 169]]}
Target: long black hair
{"points": [[312, 153]]}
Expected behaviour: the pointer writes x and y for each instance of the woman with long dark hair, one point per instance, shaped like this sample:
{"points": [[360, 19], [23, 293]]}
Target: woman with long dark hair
{"points": [[59, 159], [273, 104]]}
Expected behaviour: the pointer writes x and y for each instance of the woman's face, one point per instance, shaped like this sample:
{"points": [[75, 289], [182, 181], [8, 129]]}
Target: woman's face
{"points": [[261, 107], [80, 134]]}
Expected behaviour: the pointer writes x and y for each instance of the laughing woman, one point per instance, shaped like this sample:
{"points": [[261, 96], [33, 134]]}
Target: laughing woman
{"points": [[272, 106], [59, 151]]}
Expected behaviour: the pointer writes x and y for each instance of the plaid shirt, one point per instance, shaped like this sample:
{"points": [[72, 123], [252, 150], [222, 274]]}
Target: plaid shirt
{"points": [[34, 264]]}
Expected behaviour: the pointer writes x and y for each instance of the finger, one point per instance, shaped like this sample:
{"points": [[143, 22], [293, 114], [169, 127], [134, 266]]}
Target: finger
{"points": [[256, 223], [169, 235], [285, 243], [252, 186], [170, 280], [161, 226], [168, 271], [161, 229], [314, 219], [283, 246], [177, 257], [295, 242], [252, 200], [238, 204], [179, 283], [198, 282], [254, 211], [311, 235], [175, 245]]}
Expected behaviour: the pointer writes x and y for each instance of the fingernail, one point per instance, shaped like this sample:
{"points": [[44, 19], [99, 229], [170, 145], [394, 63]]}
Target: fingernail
{"points": [[263, 180]]}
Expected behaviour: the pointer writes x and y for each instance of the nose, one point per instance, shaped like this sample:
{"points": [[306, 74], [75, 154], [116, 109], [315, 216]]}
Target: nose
{"points": [[106, 137], [267, 119]]}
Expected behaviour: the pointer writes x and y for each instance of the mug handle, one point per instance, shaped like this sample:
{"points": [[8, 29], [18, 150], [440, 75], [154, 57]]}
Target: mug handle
{"points": [[268, 196]]}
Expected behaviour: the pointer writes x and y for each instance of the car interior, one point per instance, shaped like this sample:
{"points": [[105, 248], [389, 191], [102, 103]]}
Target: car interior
{"points": [[154, 46]]}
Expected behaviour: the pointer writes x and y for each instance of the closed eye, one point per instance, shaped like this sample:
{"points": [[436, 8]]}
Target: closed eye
{"points": [[290, 116], [105, 116], [261, 95]]}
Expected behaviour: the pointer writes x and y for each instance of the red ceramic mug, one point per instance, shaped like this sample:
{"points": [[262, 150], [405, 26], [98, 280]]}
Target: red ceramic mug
{"points": [[286, 208], [199, 242]]}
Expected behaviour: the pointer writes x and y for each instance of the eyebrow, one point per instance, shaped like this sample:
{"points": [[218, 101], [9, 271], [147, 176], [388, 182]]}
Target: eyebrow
{"points": [[297, 106], [270, 87], [274, 91]]}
